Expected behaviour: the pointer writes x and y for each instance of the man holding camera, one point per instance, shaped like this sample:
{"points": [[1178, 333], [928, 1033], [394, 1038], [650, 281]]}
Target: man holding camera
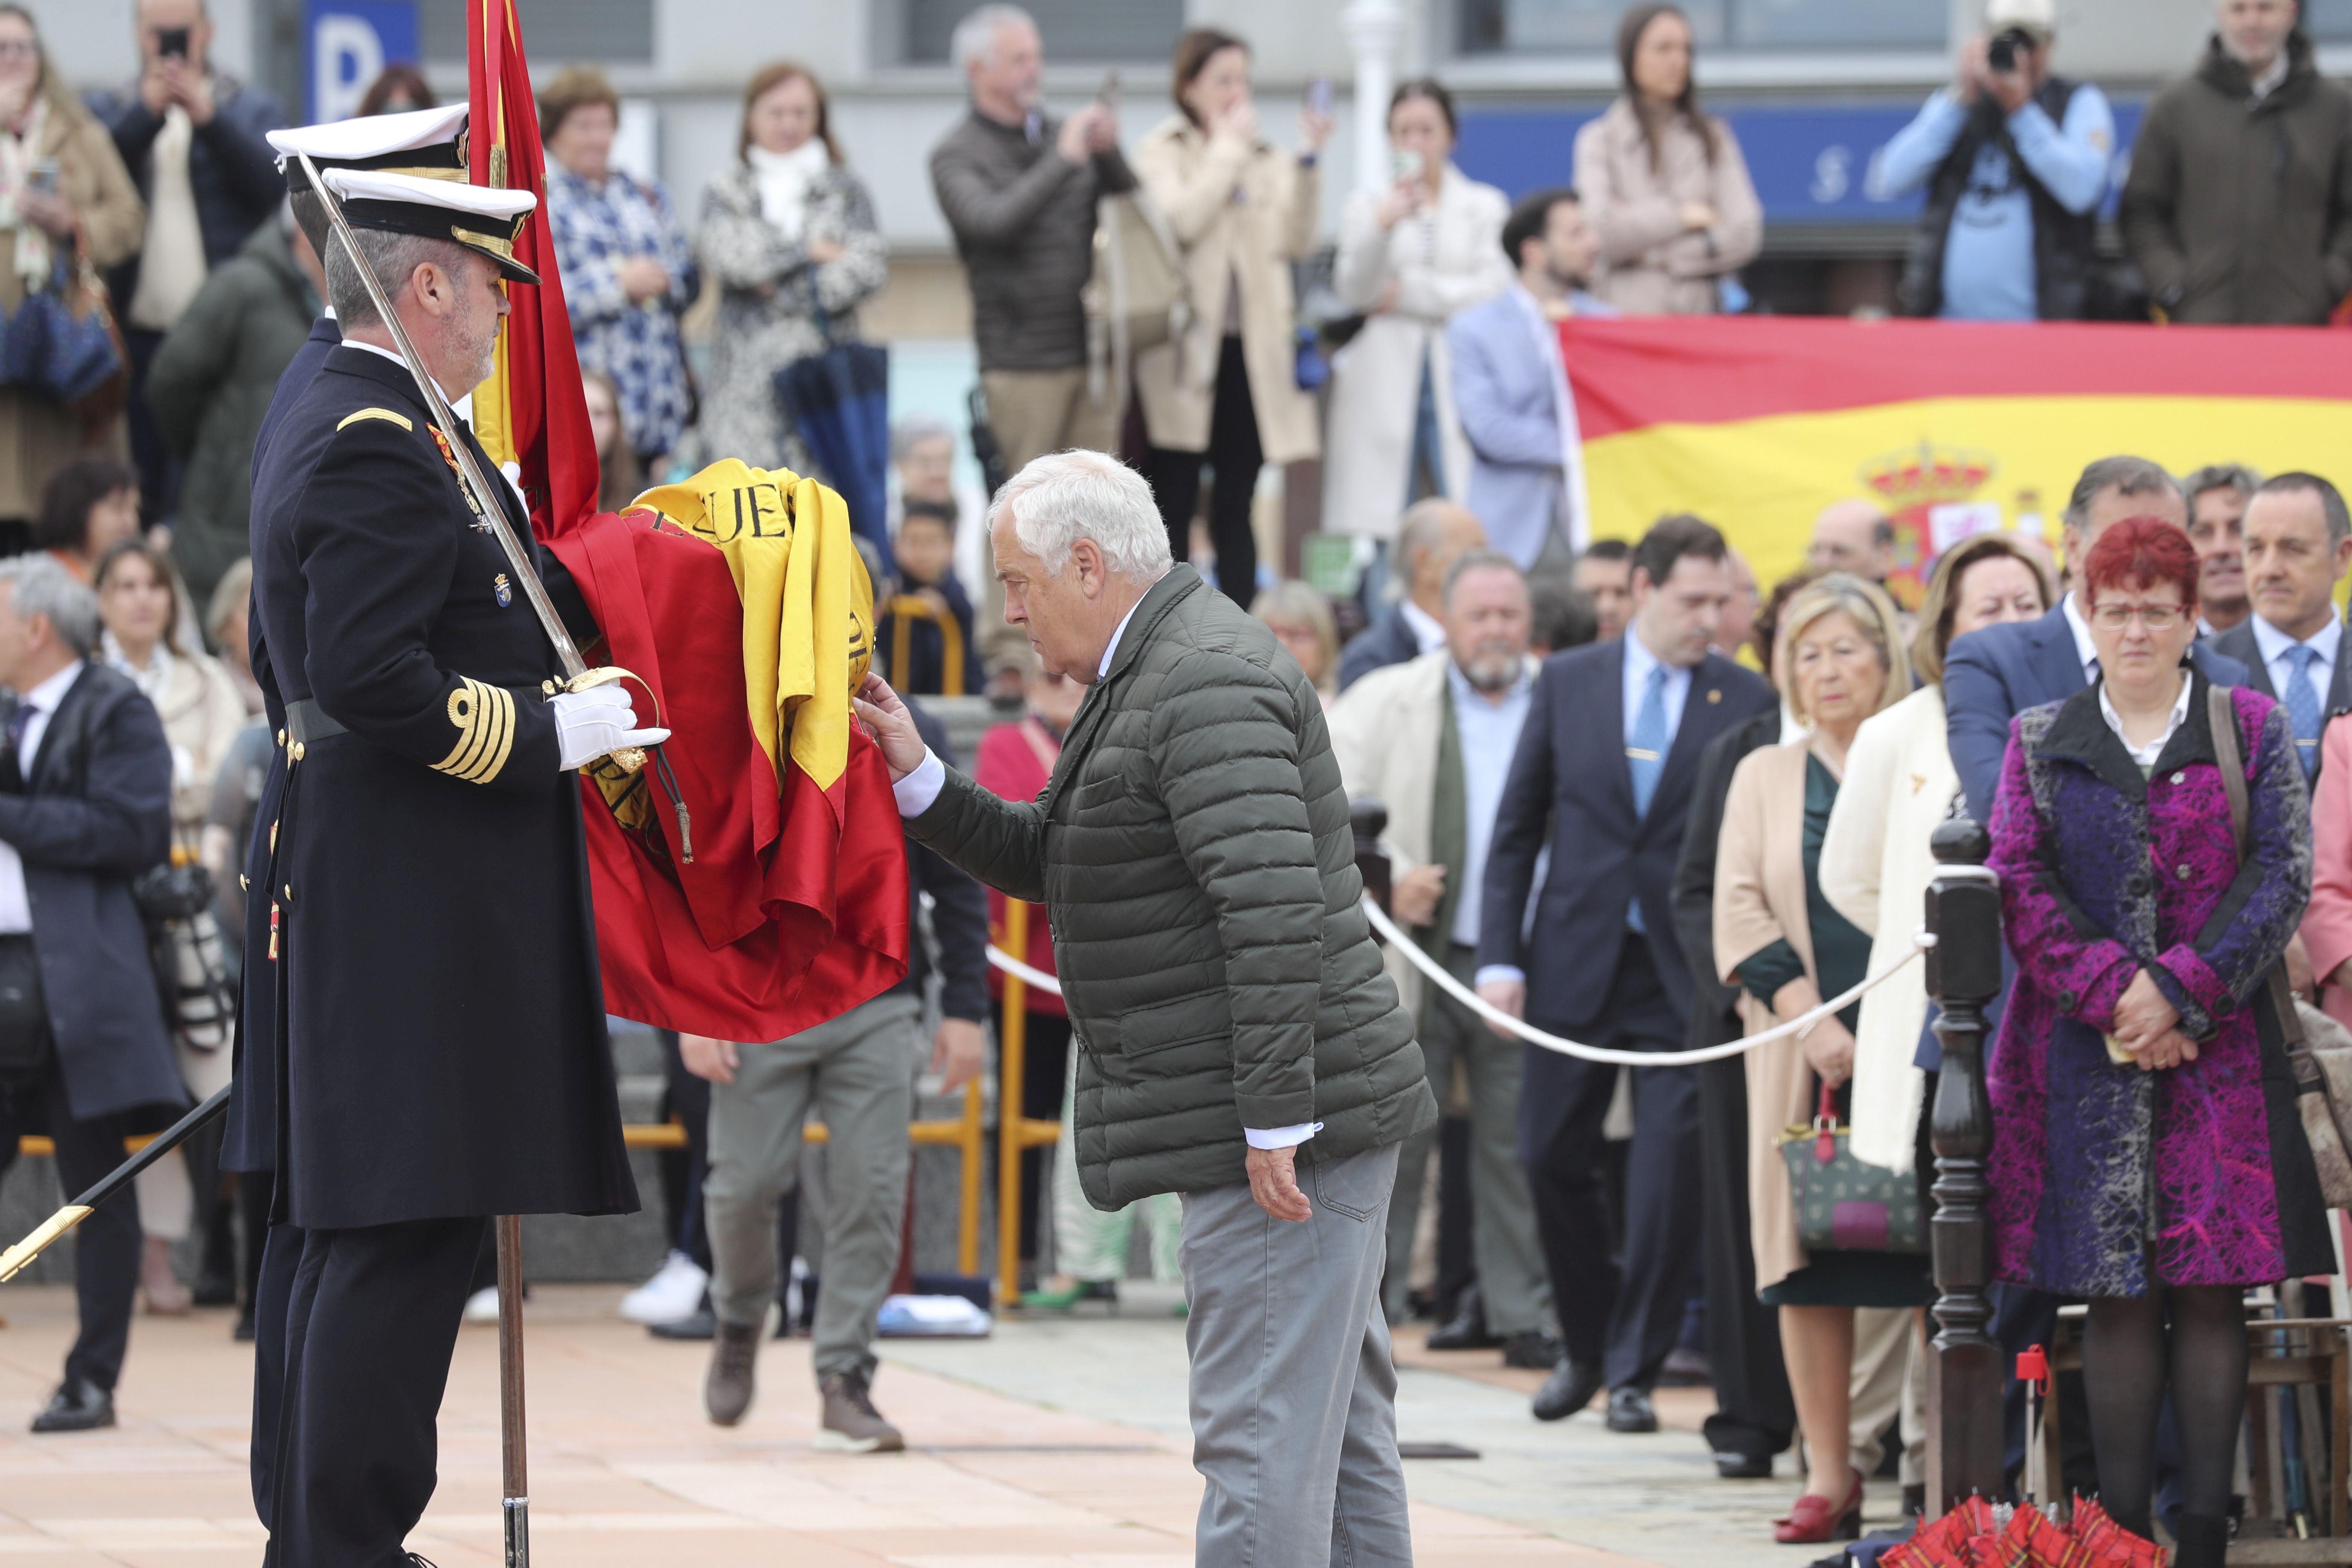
{"points": [[2015, 162]]}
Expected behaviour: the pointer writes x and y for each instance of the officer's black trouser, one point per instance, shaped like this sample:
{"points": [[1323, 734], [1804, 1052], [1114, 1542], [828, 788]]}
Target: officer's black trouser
{"points": [[371, 1319], [280, 1250]]}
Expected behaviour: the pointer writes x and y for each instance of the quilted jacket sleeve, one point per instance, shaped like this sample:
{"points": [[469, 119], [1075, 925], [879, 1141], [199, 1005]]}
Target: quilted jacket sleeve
{"points": [[1225, 753], [996, 841]]}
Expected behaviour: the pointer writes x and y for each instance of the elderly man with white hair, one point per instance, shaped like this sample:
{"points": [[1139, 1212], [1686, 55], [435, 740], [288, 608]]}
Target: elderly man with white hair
{"points": [[1239, 1042]]}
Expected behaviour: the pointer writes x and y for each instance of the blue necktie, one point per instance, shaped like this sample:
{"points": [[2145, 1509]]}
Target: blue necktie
{"points": [[1646, 758], [2302, 705]]}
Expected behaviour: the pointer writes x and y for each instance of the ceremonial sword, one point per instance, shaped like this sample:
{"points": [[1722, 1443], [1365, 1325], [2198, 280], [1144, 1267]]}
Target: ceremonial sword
{"points": [[13, 1261]]}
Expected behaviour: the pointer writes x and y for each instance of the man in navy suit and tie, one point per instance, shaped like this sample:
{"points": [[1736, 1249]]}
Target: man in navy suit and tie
{"points": [[2298, 546], [1599, 961], [1992, 676]]}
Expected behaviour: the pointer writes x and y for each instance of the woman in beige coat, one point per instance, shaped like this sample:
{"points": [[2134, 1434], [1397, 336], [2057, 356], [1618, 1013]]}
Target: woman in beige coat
{"points": [[89, 202], [138, 604], [1662, 180], [1226, 393], [1876, 862], [1781, 944]]}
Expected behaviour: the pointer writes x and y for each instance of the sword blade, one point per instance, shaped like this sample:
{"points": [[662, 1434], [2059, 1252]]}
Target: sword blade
{"points": [[490, 499]]}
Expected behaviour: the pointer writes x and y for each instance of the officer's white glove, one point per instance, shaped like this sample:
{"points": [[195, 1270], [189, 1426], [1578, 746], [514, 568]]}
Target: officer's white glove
{"points": [[590, 723]]}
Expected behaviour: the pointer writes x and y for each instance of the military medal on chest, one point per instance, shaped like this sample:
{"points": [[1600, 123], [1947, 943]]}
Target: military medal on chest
{"points": [[481, 522]]}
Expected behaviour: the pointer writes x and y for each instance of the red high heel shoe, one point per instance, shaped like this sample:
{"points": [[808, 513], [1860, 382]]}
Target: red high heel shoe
{"points": [[1815, 1518]]}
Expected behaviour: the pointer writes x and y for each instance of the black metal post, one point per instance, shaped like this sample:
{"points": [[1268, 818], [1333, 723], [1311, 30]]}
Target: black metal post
{"points": [[1370, 818], [1964, 1370]]}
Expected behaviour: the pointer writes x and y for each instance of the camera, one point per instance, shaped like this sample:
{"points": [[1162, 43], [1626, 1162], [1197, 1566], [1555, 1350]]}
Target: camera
{"points": [[2001, 53], [172, 43]]}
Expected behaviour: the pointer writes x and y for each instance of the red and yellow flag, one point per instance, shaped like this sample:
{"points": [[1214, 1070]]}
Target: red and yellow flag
{"points": [[1757, 423], [792, 906]]}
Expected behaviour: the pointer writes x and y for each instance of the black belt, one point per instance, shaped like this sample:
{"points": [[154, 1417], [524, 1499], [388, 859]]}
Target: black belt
{"points": [[306, 722]]}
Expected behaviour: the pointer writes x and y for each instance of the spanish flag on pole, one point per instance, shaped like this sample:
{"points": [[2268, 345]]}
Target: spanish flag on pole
{"points": [[1757, 423], [782, 900]]}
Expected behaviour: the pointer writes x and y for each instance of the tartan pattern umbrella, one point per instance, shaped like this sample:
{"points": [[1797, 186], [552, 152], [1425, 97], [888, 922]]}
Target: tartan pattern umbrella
{"points": [[1977, 1534]]}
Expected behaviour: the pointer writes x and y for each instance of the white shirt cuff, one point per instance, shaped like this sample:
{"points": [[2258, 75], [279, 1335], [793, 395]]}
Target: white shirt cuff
{"points": [[1486, 971], [919, 789], [1281, 1137]]}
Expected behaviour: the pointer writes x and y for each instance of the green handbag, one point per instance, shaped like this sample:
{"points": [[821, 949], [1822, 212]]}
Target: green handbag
{"points": [[1845, 1204]]}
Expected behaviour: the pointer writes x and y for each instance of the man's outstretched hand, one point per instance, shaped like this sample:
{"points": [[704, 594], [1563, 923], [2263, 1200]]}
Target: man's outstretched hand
{"points": [[1274, 1183], [893, 727]]}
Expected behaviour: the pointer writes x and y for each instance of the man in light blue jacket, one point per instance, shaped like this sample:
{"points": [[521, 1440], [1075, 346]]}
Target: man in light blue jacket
{"points": [[1510, 386], [2015, 162]]}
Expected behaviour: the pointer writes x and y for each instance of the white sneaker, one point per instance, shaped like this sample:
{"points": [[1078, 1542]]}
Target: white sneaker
{"points": [[482, 1306], [673, 1294]]}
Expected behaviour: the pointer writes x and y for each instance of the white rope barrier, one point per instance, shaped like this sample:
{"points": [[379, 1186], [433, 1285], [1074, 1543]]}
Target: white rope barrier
{"points": [[1445, 981], [1037, 979]]}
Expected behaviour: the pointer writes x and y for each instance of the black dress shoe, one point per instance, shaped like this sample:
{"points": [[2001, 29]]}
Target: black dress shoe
{"points": [[244, 1331], [1567, 1390], [1466, 1330], [1630, 1410], [1731, 1466], [78, 1405], [1531, 1349], [697, 1325]]}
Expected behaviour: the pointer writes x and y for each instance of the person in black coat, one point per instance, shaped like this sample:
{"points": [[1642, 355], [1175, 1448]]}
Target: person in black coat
{"points": [[438, 1048], [85, 807], [1598, 959], [1755, 1415]]}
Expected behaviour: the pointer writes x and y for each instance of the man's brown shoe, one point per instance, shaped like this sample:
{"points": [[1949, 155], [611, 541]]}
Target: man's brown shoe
{"points": [[851, 1425], [734, 1355]]}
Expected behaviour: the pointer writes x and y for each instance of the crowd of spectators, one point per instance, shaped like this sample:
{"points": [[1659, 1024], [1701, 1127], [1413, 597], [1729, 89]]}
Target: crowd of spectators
{"points": [[1758, 841]]}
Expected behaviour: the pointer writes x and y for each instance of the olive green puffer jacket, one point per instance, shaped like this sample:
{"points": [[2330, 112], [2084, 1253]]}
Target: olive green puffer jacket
{"points": [[1193, 852]]}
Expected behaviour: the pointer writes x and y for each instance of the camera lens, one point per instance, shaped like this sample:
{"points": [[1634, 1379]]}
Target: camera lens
{"points": [[2001, 53]]}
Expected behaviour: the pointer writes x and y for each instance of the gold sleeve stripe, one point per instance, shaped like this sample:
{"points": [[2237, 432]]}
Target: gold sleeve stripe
{"points": [[385, 414], [484, 718]]}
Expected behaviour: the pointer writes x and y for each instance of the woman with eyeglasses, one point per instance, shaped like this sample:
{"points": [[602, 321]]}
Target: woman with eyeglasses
{"points": [[2147, 1152], [64, 194]]}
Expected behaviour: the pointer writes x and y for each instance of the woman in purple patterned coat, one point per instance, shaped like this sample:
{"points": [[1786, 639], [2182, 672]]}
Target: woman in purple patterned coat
{"points": [[2147, 1151]]}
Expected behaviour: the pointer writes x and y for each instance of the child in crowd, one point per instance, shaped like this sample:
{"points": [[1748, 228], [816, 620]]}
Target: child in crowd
{"points": [[925, 554]]}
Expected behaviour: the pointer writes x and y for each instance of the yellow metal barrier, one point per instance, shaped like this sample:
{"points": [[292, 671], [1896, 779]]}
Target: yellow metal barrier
{"points": [[1014, 1132], [906, 609]]}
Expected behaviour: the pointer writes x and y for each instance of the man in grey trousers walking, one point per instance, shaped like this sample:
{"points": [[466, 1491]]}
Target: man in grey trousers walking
{"points": [[1239, 1042]]}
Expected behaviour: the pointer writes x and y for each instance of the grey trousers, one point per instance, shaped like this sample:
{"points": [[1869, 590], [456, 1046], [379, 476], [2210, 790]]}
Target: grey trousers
{"points": [[858, 1070], [1294, 1395], [1512, 1284]]}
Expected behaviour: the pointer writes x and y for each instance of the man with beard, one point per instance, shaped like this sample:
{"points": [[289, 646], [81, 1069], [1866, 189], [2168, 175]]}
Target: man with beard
{"points": [[438, 1029], [1433, 739]]}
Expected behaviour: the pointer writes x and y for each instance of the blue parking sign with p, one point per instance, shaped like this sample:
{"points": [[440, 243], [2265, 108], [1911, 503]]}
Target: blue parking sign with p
{"points": [[350, 43]]}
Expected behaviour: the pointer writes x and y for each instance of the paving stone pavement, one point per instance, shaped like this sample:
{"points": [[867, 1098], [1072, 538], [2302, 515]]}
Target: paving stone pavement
{"points": [[1054, 1444]]}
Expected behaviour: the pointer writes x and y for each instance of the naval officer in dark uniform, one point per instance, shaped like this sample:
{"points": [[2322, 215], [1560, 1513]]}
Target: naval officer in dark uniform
{"points": [[440, 1034], [429, 141]]}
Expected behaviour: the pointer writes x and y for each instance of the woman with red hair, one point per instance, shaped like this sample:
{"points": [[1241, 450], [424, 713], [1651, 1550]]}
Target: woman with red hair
{"points": [[2147, 1151]]}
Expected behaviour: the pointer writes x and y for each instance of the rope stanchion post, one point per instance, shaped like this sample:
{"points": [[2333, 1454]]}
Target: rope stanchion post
{"points": [[1964, 1370], [1011, 1066]]}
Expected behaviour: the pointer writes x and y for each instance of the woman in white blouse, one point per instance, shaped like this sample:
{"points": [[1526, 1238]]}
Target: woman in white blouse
{"points": [[1409, 257]]}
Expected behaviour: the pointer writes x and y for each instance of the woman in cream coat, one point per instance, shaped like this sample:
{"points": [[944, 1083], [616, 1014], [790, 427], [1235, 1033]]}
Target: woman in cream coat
{"points": [[1409, 257], [1662, 180], [1226, 393], [1876, 860]]}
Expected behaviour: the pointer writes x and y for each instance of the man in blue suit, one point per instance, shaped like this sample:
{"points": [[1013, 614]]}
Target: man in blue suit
{"points": [[1599, 961], [1992, 676]]}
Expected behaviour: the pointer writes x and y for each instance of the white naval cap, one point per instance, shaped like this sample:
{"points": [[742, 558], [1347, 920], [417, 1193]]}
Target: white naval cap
{"points": [[426, 142], [480, 217]]}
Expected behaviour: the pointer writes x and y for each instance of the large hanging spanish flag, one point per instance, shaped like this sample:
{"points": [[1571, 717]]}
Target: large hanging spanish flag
{"points": [[781, 899], [1756, 423]]}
